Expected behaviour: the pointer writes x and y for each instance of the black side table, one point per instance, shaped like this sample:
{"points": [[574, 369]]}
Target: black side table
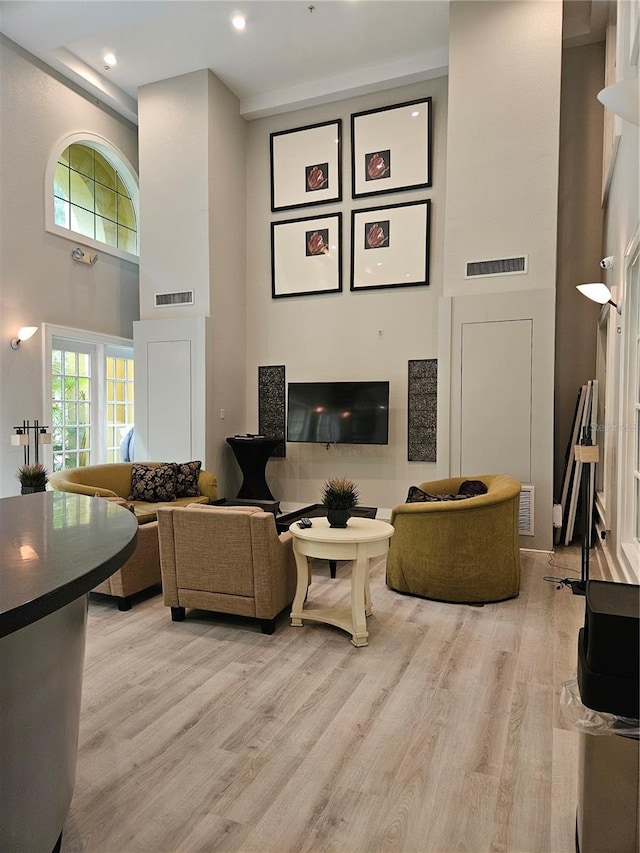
{"points": [[252, 454]]}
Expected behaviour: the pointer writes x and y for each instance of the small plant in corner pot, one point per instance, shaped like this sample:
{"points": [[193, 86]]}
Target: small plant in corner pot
{"points": [[339, 496], [33, 478]]}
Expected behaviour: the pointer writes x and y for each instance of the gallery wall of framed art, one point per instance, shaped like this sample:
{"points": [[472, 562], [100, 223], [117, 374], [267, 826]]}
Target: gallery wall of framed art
{"points": [[390, 151], [302, 312]]}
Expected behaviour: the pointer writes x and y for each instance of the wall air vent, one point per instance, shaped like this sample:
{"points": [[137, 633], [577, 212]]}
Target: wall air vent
{"points": [[499, 266], [525, 516], [165, 300]]}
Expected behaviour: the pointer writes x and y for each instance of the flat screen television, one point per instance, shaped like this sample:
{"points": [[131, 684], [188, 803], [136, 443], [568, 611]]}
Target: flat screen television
{"points": [[338, 412]]}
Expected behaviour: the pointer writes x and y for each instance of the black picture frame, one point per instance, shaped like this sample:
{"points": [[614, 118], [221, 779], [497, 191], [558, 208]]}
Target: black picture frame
{"points": [[306, 165], [391, 148], [390, 245], [306, 256]]}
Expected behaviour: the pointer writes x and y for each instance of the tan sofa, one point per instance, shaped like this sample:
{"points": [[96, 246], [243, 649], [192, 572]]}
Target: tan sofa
{"points": [[461, 550], [114, 480], [226, 559]]}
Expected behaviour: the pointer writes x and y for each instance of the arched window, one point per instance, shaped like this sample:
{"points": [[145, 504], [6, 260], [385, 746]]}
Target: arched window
{"points": [[92, 196]]}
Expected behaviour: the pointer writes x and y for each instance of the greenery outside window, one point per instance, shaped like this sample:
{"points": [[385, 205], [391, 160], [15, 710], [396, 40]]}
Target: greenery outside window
{"points": [[92, 196], [71, 398], [119, 399], [91, 396]]}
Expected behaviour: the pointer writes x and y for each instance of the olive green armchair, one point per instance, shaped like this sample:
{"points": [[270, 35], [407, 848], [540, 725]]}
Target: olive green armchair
{"points": [[464, 551]]}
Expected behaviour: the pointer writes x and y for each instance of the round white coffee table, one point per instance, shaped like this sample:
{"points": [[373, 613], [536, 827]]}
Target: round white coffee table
{"points": [[362, 539]]}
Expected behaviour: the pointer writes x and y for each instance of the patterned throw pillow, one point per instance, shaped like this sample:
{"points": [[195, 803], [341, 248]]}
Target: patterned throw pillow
{"points": [[416, 495], [187, 474], [153, 483], [471, 488]]}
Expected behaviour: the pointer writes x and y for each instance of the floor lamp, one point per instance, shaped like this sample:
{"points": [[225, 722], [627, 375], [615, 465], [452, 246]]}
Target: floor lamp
{"points": [[587, 454]]}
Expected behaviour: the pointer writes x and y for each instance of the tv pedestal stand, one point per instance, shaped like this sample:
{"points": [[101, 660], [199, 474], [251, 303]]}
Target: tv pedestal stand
{"points": [[252, 453]]}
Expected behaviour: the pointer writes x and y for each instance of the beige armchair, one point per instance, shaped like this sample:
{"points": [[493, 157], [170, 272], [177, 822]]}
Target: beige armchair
{"points": [[459, 551], [141, 571], [225, 559]]}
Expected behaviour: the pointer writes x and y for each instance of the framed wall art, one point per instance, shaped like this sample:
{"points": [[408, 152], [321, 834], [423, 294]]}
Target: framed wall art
{"points": [[306, 256], [390, 245], [306, 165], [391, 148]]}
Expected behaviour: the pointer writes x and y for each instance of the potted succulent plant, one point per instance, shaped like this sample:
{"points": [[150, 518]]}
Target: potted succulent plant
{"points": [[33, 478], [339, 496]]}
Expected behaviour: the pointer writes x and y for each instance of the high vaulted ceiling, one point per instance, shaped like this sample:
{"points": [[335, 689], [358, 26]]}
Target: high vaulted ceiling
{"points": [[292, 53]]}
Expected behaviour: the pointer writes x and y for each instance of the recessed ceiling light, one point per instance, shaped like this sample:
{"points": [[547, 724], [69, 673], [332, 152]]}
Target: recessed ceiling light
{"points": [[110, 59], [415, 113], [239, 22]]}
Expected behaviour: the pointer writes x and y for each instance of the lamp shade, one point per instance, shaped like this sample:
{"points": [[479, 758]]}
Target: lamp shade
{"points": [[595, 291], [26, 332], [623, 99], [19, 439], [44, 437]]}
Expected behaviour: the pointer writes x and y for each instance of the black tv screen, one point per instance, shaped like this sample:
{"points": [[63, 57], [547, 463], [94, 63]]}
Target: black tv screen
{"points": [[338, 412]]}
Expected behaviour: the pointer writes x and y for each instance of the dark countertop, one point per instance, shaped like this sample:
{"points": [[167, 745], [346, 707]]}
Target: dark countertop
{"points": [[55, 547]]}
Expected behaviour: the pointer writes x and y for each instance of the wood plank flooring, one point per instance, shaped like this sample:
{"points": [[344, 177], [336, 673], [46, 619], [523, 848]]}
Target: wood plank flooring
{"points": [[443, 734]]}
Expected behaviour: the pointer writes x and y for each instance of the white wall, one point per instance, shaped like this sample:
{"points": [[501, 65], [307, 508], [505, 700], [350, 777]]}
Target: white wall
{"points": [[502, 196], [502, 148], [336, 336], [39, 282], [494, 194], [174, 193], [192, 186]]}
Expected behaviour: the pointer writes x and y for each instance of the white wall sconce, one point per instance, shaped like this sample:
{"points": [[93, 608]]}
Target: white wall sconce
{"points": [[24, 334], [83, 257], [623, 99], [599, 292]]}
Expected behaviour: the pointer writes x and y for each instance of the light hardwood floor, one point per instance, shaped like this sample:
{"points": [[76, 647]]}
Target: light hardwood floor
{"points": [[444, 734]]}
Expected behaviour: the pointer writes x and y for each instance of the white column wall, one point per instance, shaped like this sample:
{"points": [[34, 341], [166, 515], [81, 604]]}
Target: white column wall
{"points": [[192, 186], [502, 141], [502, 186]]}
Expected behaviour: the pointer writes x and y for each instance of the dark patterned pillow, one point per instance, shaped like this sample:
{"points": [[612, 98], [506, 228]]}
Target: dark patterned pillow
{"points": [[416, 495], [153, 483], [471, 488], [187, 474]]}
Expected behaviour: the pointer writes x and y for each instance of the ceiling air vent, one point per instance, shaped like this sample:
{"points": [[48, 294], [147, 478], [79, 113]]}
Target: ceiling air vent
{"points": [[499, 266], [182, 297], [525, 516]]}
